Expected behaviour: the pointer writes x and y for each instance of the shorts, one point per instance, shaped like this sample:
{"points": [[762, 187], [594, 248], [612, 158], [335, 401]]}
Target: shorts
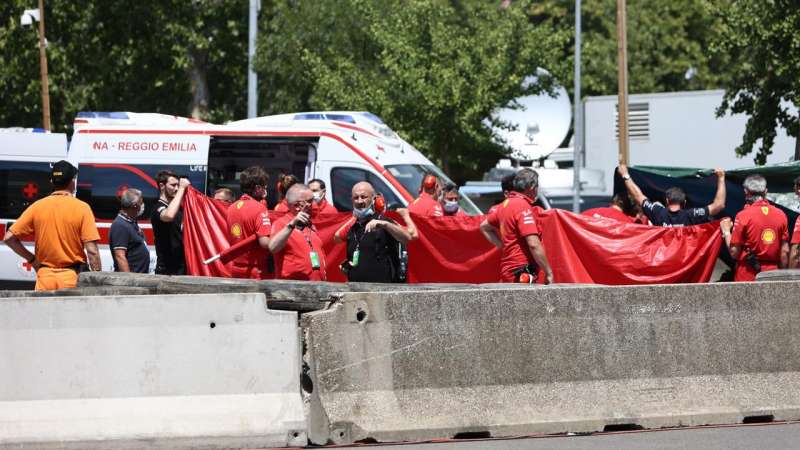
{"points": [[49, 279]]}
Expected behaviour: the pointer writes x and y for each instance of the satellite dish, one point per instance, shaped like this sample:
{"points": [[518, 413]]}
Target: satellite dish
{"points": [[540, 123]]}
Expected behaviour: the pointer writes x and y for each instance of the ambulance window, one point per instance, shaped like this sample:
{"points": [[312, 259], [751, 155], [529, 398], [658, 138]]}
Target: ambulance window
{"points": [[100, 185], [343, 179], [22, 183]]}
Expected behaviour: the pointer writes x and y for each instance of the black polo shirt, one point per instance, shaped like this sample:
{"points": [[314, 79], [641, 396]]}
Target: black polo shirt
{"points": [[125, 234], [379, 259], [168, 238], [661, 216]]}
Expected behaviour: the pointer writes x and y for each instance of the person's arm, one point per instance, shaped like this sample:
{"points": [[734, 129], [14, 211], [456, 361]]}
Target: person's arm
{"points": [[537, 250], [726, 225], [93, 255], [793, 257], [121, 258], [340, 235], [169, 213], [784, 262], [412, 229], [399, 233], [490, 233], [719, 199], [632, 188], [13, 242], [278, 240]]}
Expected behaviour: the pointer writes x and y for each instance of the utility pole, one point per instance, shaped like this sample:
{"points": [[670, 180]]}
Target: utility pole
{"points": [[252, 78], [577, 131], [622, 67], [43, 70]]}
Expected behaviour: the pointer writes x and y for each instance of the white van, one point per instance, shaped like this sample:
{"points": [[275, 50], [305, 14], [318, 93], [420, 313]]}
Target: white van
{"points": [[118, 150]]}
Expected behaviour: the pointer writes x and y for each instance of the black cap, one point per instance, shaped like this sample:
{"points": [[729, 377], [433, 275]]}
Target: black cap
{"points": [[63, 172]]}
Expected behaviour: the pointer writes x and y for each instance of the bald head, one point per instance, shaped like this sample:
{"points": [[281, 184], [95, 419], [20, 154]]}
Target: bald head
{"points": [[298, 197], [362, 195]]}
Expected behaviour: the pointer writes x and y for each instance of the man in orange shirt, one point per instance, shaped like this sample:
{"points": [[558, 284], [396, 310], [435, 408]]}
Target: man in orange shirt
{"points": [[760, 238], [246, 217], [62, 227], [427, 205]]}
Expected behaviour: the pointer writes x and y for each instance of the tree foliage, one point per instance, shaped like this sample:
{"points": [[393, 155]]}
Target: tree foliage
{"points": [[761, 38], [433, 70], [125, 55]]}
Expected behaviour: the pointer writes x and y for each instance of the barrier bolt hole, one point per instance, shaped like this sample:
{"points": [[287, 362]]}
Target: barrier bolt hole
{"points": [[766, 418], [295, 434], [361, 315], [341, 434], [212, 325]]}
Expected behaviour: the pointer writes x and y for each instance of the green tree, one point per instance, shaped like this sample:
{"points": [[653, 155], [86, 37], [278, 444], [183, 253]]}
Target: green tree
{"points": [[434, 70], [760, 37], [174, 57]]}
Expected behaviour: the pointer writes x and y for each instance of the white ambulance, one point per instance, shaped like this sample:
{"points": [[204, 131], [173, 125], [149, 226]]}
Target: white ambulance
{"points": [[118, 150]]}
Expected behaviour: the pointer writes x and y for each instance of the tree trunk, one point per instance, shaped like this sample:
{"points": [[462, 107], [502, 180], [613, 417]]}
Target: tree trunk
{"points": [[198, 108], [444, 157], [797, 147]]}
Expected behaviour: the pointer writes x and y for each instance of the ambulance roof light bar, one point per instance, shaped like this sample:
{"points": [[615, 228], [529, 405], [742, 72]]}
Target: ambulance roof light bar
{"points": [[116, 118]]}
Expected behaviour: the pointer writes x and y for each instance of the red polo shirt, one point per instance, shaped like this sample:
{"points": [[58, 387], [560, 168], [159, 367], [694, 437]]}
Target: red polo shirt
{"points": [[322, 208], [282, 206], [425, 205], [515, 220], [293, 262], [246, 217], [609, 212], [759, 228]]}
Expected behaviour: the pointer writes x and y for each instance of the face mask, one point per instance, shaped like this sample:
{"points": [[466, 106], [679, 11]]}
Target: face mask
{"points": [[362, 213], [451, 206], [141, 210], [318, 196]]}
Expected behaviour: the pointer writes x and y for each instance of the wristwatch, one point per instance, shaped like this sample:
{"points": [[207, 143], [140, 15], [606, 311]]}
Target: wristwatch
{"points": [[290, 226], [626, 177]]}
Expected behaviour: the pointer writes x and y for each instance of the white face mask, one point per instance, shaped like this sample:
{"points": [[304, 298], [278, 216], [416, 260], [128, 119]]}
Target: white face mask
{"points": [[318, 196], [451, 206], [141, 210]]}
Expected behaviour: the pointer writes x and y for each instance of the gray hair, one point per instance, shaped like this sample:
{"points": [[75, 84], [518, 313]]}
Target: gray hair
{"points": [[293, 194], [526, 179], [130, 198], [755, 185]]}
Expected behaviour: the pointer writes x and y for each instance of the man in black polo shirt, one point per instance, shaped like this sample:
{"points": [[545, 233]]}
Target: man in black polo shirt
{"points": [[125, 239], [372, 240], [675, 214], [167, 220]]}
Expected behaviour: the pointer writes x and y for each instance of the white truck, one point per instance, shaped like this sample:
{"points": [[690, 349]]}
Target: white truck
{"points": [[677, 129], [118, 150]]}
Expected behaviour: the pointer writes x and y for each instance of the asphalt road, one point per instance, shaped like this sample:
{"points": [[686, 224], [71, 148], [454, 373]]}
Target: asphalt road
{"points": [[756, 436]]}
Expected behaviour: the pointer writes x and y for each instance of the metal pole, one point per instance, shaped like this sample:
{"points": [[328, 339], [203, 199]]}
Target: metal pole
{"points": [[622, 67], [252, 78], [43, 69], [577, 136]]}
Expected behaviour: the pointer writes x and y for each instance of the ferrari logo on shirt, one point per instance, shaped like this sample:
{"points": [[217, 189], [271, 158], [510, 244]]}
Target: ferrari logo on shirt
{"points": [[765, 210], [236, 230], [768, 235], [239, 204], [505, 203], [527, 217]]}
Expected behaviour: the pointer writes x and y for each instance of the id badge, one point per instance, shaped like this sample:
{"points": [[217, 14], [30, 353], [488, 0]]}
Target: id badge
{"points": [[355, 258], [314, 260]]}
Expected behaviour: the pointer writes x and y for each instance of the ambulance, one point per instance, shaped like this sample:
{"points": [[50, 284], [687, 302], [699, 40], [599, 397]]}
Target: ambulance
{"points": [[115, 151]]}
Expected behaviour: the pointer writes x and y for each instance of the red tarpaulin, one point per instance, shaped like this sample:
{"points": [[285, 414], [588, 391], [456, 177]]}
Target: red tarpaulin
{"points": [[580, 249]]}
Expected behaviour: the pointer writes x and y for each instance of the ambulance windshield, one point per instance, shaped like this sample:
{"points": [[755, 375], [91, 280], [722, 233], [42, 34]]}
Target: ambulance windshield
{"points": [[411, 175]]}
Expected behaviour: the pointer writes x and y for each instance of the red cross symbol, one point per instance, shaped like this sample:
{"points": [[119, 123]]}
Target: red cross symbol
{"points": [[121, 190], [30, 190], [27, 266]]}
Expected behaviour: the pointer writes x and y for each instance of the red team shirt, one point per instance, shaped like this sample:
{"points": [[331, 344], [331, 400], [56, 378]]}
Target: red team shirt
{"points": [[322, 208], [515, 220], [246, 217], [796, 232], [427, 206], [759, 228], [293, 262], [609, 213], [282, 206]]}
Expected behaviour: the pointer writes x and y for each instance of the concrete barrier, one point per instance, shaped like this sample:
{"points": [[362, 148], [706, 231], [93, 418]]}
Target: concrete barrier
{"points": [[289, 295], [423, 365], [779, 275], [180, 371]]}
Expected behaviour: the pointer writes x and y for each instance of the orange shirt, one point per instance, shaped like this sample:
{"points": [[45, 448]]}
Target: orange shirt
{"points": [[60, 224]]}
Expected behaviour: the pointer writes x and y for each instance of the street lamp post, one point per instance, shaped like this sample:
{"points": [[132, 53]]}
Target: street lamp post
{"points": [[28, 17]]}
